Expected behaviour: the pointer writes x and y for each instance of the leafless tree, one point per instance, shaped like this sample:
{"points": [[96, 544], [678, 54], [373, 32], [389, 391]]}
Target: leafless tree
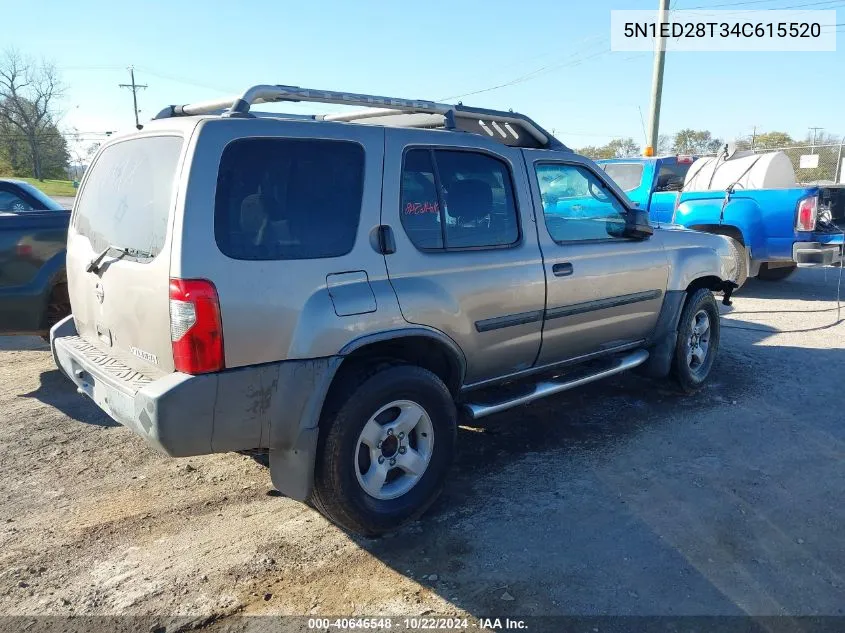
{"points": [[28, 95]]}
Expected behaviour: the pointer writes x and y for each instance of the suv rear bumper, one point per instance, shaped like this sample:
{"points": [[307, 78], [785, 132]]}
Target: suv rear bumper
{"points": [[808, 254], [275, 406]]}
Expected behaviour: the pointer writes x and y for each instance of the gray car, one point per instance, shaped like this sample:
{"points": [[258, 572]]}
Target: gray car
{"points": [[337, 290]]}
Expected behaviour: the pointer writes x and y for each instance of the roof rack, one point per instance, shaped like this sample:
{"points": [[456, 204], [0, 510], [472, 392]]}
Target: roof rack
{"points": [[509, 128]]}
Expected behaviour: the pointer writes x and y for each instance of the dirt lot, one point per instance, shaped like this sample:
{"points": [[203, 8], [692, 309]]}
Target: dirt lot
{"points": [[619, 498]]}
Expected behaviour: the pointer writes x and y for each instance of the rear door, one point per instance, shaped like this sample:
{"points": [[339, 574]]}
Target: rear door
{"points": [[467, 262], [126, 201], [604, 290]]}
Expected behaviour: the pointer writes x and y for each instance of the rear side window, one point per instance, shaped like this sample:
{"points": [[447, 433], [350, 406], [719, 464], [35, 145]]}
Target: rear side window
{"points": [[627, 175], [127, 197], [671, 176], [288, 198], [457, 199]]}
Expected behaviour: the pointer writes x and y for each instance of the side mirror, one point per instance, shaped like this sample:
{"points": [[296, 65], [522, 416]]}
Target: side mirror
{"points": [[637, 225]]}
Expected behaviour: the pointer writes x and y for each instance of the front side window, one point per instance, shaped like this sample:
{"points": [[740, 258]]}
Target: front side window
{"points": [[288, 198], [41, 200], [577, 205], [455, 199]]}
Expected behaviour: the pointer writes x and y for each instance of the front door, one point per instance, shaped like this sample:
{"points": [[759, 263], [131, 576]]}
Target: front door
{"points": [[467, 262], [604, 290]]}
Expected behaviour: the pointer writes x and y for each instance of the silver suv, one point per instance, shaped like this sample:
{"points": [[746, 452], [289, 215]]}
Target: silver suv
{"points": [[337, 289]]}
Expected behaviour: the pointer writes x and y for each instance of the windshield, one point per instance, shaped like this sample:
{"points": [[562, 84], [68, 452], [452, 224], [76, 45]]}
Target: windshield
{"points": [[126, 200], [627, 175], [46, 202]]}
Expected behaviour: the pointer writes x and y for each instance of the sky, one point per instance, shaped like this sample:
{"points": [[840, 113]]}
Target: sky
{"points": [[554, 56]]}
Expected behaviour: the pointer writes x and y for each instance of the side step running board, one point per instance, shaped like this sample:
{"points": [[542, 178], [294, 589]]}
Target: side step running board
{"points": [[550, 387]]}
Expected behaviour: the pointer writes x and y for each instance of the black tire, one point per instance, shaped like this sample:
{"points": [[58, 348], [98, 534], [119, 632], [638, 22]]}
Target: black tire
{"points": [[690, 378], [775, 274], [58, 305], [337, 492], [741, 256]]}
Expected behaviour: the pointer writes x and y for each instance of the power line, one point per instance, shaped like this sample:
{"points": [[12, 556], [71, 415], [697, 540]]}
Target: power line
{"points": [[183, 80], [135, 87], [575, 60]]}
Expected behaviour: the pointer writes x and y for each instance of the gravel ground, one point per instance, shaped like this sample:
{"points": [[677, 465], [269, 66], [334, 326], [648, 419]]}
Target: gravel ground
{"points": [[619, 498]]}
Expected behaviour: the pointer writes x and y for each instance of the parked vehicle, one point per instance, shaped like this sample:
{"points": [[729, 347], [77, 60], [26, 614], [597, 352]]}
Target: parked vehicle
{"points": [[773, 230], [33, 235], [335, 290]]}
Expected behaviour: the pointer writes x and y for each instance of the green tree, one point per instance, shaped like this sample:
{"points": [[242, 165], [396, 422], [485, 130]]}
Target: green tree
{"points": [[688, 141], [772, 140], [617, 148], [16, 152]]}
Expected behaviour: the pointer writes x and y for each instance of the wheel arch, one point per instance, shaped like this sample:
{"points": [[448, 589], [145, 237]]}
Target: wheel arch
{"points": [[711, 282], [426, 348], [727, 230]]}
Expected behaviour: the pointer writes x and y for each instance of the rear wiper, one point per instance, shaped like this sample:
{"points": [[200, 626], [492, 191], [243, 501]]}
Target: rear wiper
{"points": [[94, 264]]}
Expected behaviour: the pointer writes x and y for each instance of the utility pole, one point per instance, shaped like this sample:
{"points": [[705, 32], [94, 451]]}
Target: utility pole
{"points": [[657, 81], [813, 142], [135, 87], [753, 137]]}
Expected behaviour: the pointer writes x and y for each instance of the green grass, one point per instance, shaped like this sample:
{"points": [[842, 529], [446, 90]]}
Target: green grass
{"points": [[53, 187]]}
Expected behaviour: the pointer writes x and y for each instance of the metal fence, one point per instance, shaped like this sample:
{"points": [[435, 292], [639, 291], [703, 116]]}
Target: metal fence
{"points": [[813, 163]]}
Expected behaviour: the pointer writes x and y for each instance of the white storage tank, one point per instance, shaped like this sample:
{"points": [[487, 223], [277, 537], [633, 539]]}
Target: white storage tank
{"points": [[745, 170]]}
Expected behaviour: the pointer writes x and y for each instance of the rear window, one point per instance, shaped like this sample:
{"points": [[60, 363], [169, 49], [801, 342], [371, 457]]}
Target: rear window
{"points": [[671, 176], [288, 198], [627, 175], [128, 194]]}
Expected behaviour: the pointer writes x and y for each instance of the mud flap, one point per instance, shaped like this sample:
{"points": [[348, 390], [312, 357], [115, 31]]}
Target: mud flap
{"points": [[661, 346], [292, 470], [727, 288], [660, 355]]}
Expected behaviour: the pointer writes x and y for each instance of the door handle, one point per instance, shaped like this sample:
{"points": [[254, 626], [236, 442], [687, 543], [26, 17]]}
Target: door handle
{"points": [[562, 270], [384, 242]]}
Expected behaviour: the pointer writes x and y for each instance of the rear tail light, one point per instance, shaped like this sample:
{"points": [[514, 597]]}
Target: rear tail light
{"points": [[24, 250], [196, 330], [684, 159], [805, 219]]}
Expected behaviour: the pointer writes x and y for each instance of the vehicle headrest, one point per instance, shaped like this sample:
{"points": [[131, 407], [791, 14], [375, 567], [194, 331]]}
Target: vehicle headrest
{"points": [[470, 199], [253, 216]]}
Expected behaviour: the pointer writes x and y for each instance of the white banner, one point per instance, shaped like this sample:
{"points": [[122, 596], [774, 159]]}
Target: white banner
{"points": [[724, 30]]}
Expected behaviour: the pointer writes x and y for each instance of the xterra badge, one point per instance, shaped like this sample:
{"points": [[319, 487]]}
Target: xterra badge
{"points": [[150, 358]]}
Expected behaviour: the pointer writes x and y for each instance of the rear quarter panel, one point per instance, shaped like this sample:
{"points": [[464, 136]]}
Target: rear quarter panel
{"points": [[765, 217], [282, 309]]}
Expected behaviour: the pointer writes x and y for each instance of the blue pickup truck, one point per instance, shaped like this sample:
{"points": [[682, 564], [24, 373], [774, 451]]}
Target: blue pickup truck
{"points": [[33, 285], [774, 230]]}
